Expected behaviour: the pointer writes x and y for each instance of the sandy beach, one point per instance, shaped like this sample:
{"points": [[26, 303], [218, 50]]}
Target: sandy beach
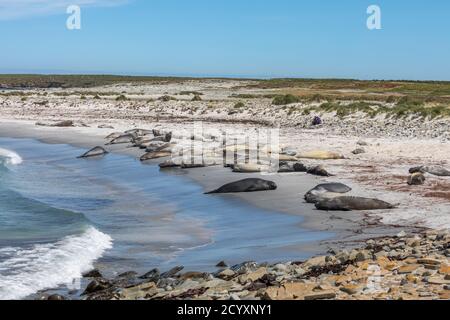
{"points": [[390, 148]]}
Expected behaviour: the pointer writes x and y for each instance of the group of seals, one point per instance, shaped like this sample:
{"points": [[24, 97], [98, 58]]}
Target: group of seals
{"points": [[433, 170], [329, 197]]}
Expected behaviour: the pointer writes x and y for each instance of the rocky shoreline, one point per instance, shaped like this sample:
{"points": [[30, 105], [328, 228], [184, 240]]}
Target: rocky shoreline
{"points": [[405, 267]]}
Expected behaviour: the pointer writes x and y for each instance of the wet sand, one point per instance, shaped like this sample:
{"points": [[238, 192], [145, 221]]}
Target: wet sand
{"points": [[348, 228]]}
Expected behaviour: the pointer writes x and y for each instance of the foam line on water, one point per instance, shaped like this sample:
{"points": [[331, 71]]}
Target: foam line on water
{"points": [[46, 266], [10, 156]]}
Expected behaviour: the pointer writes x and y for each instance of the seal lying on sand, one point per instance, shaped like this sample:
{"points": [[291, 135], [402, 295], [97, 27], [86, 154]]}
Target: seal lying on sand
{"points": [[345, 203], [416, 179], [114, 135], [125, 138], [94, 152], [319, 171], [434, 170], [246, 185], [139, 132], [155, 155], [326, 191], [320, 155], [250, 168]]}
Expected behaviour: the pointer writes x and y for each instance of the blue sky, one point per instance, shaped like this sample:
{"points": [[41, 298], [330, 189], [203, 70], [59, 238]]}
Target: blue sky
{"points": [[249, 38]]}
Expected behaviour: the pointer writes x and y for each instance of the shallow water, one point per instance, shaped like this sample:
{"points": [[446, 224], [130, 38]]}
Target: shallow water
{"points": [[60, 215]]}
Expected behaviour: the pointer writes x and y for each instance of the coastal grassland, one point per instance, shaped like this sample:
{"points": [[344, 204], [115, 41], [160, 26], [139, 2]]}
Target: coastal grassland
{"points": [[399, 110], [31, 81]]}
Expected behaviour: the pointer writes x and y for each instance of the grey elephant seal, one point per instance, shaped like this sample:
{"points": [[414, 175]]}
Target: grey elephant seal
{"points": [[319, 171], [114, 135], [345, 203], [94, 152], [139, 132], [286, 167], [416, 179], [434, 170], [155, 155], [326, 191], [125, 138], [246, 185]]}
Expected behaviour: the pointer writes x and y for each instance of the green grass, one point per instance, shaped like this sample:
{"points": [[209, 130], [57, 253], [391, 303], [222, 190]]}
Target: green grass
{"points": [[239, 105], [285, 100]]}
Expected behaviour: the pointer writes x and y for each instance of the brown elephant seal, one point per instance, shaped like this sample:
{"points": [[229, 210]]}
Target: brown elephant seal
{"points": [[416, 179], [345, 203], [155, 155], [319, 171], [94, 152], [246, 185], [434, 170], [320, 155], [326, 190], [113, 135]]}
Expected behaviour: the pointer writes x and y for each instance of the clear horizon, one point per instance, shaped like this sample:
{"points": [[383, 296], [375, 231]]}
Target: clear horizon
{"points": [[271, 39]]}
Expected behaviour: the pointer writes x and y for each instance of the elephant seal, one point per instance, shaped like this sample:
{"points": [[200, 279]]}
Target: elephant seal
{"points": [[416, 179], [114, 135], [283, 157], [139, 132], [156, 146], [318, 171], [345, 203], [125, 138], [165, 138], [246, 185], [434, 170], [94, 152], [320, 155], [326, 190], [155, 155], [250, 168]]}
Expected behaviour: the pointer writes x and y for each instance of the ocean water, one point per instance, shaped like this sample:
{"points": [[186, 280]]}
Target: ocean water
{"points": [[60, 216]]}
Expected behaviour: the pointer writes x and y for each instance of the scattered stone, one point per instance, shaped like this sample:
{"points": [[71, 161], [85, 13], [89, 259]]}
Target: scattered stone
{"points": [[222, 264], [95, 273], [358, 151]]}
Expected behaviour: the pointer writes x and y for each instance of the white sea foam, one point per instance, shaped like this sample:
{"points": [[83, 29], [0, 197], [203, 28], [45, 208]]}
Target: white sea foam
{"points": [[10, 156], [46, 266]]}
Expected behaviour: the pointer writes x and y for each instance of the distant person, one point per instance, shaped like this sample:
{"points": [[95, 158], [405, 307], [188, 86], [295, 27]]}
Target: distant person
{"points": [[317, 121]]}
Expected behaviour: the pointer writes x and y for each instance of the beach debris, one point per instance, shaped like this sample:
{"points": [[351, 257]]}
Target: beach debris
{"points": [[317, 121], [348, 203], [416, 179], [246, 185], [94, 152]]}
